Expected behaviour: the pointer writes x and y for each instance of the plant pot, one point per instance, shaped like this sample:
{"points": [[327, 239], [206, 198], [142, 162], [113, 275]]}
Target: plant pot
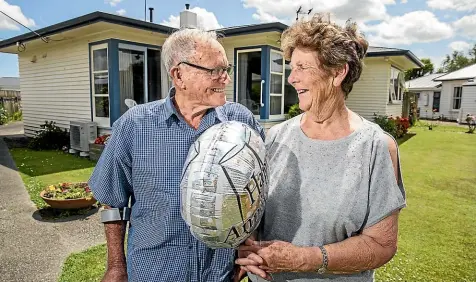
{"points": [[68, 203]]}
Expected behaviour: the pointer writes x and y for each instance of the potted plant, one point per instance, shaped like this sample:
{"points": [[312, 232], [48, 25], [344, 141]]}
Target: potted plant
{"points": [[96, 148], [68, 195]]}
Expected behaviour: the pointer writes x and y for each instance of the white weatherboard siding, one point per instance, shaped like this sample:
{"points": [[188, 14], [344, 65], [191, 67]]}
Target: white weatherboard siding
{"points": [[468, 104], [370, 93], [394, 110], [446, 104], [425, 103], [57, 86]]}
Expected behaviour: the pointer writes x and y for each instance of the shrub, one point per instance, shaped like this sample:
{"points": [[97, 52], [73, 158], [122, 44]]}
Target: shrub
{"points": [[3, 116], [51, 137], [294, 110], [389, 125], [402, 126], [18, 115]]}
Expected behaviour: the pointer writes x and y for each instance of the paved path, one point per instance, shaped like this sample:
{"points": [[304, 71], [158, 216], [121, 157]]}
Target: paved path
{"points": [[12, 129], [32, 250]]}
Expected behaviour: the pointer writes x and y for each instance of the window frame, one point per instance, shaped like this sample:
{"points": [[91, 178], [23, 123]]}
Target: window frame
{"points": [[282, 74], [101, 121], [396, 98], [454, 98]]}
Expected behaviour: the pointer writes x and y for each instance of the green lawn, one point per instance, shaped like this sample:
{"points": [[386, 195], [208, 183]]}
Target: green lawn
{"points": [[39, 169], [437, 241], [88, 266]]}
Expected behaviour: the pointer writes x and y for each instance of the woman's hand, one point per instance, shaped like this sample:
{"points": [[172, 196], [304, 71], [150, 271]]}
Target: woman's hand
{"points": [[261, 258]]}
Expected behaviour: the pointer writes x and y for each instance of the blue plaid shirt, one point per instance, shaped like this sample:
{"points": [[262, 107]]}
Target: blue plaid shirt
{"points": [[143, 160]]}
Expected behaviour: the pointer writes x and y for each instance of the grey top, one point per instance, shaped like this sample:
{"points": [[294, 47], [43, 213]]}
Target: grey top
{"points": [[321, 192]]}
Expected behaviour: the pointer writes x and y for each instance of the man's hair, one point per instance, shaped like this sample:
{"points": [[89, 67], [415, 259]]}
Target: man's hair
{"points": [[334, 45], [181, 44]]}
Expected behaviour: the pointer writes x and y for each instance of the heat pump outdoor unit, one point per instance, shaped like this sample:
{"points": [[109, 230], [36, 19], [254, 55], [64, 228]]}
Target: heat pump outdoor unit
{"points": [[81, 133]]}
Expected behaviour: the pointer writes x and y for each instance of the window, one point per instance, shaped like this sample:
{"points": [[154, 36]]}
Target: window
{"points": [[397, 85], [457, 94], [100, 84], [290, 94], [436, 101], [276, 94]]}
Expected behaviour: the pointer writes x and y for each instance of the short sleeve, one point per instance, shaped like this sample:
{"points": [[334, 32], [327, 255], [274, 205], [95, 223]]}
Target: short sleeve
{"points": [[386, 194], [111, 180], [254, 123]]}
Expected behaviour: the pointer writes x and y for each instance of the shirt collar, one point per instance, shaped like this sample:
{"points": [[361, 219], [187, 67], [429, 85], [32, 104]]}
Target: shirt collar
{"points": [[171, 110]]}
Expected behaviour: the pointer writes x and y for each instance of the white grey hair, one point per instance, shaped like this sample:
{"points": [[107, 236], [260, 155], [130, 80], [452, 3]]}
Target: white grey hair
{"points": [[180, 45]]}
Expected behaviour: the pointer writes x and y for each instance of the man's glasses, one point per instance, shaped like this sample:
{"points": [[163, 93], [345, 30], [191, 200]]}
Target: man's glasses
{"points": [[215, 73]]}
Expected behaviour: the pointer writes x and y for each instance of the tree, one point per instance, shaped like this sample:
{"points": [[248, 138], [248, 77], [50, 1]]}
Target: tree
{"points": [[457, 60], [415, 73], [472, 53]]}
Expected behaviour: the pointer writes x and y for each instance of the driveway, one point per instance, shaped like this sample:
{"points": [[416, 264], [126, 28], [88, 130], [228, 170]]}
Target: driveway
{"points": [[30, 249]]}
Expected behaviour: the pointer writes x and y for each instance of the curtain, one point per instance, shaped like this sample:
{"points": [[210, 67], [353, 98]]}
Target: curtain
{"points": [[126, 77]]}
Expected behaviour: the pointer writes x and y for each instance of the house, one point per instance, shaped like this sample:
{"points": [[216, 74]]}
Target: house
{"points": [[10, 96], [451, 96], [85, 69], [428, 93]]}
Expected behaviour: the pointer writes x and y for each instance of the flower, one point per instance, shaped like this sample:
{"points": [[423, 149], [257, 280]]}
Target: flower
{"points": [[102, 140], [67, 190]]}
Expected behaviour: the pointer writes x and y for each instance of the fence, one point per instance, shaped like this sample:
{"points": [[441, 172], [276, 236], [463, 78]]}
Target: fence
{"points": [[10, 100]]}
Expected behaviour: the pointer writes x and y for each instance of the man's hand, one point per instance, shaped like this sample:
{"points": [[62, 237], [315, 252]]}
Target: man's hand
{"points": [[115, 274], [239, 274], [249, 261]]}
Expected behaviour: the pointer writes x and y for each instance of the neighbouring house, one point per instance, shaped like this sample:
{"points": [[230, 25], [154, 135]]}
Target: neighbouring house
{"points": [[428, 94], [10, 95], [449, 96], [85, 69]]}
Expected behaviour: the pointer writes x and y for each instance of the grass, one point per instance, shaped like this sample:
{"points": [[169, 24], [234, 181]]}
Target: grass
{"points": [[39, 169], [88, 266], [436, 238]]}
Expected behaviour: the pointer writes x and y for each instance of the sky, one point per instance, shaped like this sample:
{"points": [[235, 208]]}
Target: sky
{"points": [[428, 28]]}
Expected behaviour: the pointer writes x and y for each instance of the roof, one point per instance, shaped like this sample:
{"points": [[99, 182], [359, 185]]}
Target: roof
{"points": [[374, 51], [140, 24], [424, 82], [252, 28], [470, 83], [130, 22], [9, 83], [464, 73]]}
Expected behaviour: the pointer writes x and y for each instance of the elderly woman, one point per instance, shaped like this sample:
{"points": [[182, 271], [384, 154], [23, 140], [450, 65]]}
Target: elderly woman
{"points": [[335, 187]]}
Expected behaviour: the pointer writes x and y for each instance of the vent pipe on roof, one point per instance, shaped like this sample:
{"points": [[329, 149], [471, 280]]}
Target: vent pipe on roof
{"points": [[151, 10]]}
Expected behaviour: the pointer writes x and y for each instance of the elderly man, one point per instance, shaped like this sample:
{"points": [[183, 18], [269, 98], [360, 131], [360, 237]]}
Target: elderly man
{"points": [[144, 159]]}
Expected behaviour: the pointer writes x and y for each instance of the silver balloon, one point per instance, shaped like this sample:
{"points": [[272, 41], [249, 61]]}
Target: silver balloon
{"points": [[224, 185]]}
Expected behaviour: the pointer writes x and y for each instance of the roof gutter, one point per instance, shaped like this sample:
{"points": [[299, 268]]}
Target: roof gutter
{"points": [[406, 53]]}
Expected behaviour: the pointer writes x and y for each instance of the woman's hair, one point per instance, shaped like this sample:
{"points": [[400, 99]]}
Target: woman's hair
{"points": [[335, 45]]}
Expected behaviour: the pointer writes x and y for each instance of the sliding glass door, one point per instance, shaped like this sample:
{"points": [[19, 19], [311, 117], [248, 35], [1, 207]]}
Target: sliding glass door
{"points": [[139, 75], [250, 83], [261, 82]]}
